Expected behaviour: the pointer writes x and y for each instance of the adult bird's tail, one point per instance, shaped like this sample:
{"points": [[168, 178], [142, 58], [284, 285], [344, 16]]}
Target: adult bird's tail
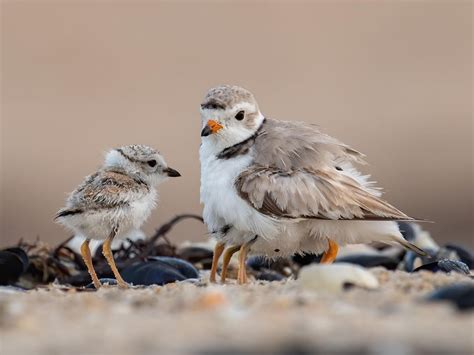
{"points": [[406, 244]]}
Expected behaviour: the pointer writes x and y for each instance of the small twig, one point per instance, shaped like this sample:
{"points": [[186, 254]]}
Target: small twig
{"points": [[62, 244], [164, 229]]}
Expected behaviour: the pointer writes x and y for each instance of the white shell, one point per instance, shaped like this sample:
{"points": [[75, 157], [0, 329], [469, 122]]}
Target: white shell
{"points": [[332, 278]]}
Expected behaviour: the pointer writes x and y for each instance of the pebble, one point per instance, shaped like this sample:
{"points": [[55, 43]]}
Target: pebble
{"points": [[445, 265], [13, 263], [184, 267], [460, 294], [269, 275], [159, 271], [367, 260], [464, 255]]}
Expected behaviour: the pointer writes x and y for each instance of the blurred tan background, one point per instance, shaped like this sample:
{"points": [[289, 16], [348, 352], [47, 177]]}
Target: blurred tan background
{"points": [[392, 79]]}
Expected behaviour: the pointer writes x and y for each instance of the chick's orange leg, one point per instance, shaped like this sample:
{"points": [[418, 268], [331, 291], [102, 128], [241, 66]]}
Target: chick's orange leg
{"points": [[330, 255], [107, 252], [218, 249], [87, 257], [226, 260]]}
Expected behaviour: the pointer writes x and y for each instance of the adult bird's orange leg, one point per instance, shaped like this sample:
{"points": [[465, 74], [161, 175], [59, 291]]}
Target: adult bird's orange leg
{"points": [[226, 260], [218, 249], [107, 252], [87, 257], [244, 250], [330, 255]]}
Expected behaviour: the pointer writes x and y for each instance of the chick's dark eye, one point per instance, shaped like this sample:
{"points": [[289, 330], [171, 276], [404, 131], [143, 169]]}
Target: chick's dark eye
{"points": [[240, 116], [152, 163]]}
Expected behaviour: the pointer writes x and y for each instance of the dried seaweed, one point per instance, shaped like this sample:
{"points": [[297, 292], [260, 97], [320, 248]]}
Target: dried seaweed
{"points": [[65, 266]]}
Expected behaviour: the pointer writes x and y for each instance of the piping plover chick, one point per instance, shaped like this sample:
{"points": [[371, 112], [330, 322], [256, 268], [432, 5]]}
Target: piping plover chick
{"points": [[117, 198], [277, 188]]}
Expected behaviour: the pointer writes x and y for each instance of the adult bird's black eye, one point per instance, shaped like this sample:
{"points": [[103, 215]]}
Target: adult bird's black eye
{"points": [[240, 115], [152, 163]]}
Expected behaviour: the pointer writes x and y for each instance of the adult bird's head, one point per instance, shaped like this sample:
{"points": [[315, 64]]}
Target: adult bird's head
{"points": [[229, 115]]}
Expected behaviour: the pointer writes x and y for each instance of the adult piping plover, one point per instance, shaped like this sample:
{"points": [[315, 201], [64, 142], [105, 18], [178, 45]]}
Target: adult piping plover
{"points": [[278, 188], [115, 199]]}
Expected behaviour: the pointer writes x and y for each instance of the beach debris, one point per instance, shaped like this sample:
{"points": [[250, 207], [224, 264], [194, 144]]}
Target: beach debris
{"points": [[460, 294], [336, 278], [167, 262], [13, 263], [412, 261], [436, 260], [445, 265], [64, 265]]}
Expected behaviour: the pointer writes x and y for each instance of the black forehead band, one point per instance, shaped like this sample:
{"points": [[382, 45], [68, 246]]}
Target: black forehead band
{"points": [[213, 105], [129, 157]]}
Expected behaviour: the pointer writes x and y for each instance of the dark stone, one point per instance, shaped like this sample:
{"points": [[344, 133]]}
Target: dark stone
{"points": [[465, 255], [258, 263], [306, 259], [445, 265], [185, 268], [13, 263], [461, 295], [269, 275], [159, 271], [411, 257], [367, 260]]}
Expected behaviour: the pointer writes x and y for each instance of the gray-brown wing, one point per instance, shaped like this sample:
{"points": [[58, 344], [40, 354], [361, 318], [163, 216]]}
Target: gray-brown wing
{"points": [[295, 145], [104, 190], [304, 193]]}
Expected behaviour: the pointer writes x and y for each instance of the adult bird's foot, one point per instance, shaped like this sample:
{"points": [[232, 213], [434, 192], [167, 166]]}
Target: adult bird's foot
{"points": [[330, 255], [218, 249], [226, 260]]}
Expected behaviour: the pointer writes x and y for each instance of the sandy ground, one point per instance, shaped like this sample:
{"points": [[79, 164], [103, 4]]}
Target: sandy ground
{"points": [[263, 317]]}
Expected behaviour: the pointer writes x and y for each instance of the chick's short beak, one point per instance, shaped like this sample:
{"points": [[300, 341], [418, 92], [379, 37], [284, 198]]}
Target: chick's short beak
{"points": [[210, 128], [171, 172]]}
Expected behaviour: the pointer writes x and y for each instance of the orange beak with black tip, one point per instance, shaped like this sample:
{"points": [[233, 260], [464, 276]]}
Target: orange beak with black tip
{"points": [[211, 128]]}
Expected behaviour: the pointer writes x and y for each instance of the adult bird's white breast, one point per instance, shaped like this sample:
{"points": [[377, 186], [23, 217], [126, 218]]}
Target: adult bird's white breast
{"points": [[222, 204]]}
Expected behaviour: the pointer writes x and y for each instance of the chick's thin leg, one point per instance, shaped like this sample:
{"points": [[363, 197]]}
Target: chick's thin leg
{"points": [[226, 260], [218, 249], [107, 252], [87, 257], [244, 250], [330, 255]]}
